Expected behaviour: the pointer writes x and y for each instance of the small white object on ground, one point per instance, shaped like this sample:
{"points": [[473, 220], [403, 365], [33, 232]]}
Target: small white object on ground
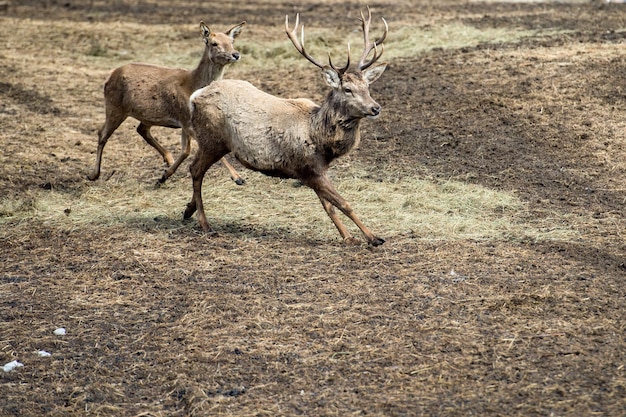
{"points": [[60, 331], [43, 353], [11, 366]]}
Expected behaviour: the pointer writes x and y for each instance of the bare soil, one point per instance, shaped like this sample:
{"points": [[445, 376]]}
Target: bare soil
{"points": [[167, 321]]}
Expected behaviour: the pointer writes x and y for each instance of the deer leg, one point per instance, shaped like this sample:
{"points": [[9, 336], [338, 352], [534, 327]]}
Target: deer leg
{"points": [[185, 149], [330, 210], [112, 122], [144, 131], [326, 191], [234, 175], [201, 163]]}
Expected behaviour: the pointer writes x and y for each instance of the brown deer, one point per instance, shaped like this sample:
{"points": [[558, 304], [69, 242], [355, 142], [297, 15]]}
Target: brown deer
{"points": [[159, 96], [288, 138]]}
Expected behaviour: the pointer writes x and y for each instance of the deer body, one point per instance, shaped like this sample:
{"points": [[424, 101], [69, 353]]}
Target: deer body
{"points": [[160, 91], [290, 138], [283, 137], [159, 96]]}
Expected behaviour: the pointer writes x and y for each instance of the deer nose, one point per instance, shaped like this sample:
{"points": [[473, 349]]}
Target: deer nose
{"points": [[376, 110], [236, 56]]}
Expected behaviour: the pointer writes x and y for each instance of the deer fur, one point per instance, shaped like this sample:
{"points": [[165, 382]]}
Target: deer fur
{"points": [[159, 96], [289, 138]]}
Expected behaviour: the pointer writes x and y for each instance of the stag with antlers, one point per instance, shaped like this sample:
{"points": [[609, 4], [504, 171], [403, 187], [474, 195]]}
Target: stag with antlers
{"points": [[289, 138]]}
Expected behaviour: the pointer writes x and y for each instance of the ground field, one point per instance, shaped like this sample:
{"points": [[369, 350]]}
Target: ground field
{"points": [[496, 174]]}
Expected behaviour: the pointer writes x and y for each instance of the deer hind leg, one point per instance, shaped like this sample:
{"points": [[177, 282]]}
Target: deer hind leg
{"points": [[185, 144], [144, 130], [234, 175], [330, 197], [113, 120], [201, 163]]}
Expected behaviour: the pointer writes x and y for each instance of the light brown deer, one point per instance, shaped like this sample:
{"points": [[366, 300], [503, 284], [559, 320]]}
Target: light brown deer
{"points": [[159, 96], [288, 138]]}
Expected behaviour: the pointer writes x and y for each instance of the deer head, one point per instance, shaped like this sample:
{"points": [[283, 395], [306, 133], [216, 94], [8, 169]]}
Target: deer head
{"points": [[350, 89], [220, 45]]}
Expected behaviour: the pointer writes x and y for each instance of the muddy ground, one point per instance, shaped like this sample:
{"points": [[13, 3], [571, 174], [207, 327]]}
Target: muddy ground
{"points": [[166, 321]]}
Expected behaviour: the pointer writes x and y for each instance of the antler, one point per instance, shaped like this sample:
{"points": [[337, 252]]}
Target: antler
{"points": [[300, 46], [368, 46]]}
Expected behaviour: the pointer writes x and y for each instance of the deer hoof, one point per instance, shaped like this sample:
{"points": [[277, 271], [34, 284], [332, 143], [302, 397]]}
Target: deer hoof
{"points": [[93, 176], [204, 226], [189, 211], [210, 232], [240, 181], [377, 241]]}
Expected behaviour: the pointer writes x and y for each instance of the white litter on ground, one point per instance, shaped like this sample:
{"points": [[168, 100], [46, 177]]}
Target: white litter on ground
{"points": [[43, 353], [60, 331], [11, 366]]}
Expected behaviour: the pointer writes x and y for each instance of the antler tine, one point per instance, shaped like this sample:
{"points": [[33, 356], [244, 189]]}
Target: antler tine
{"points": [[368, 46], [345, 67], [299, 44]]}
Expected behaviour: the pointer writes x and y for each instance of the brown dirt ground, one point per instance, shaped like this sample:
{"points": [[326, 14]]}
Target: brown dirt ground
{"points": [[263, 322]]}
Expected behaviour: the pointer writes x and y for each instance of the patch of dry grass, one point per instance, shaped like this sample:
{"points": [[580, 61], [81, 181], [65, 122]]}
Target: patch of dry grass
{"points": [[408, 207]]}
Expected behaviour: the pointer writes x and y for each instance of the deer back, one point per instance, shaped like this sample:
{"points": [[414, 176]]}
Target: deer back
{"points": [[266, 133], [145, 92]]}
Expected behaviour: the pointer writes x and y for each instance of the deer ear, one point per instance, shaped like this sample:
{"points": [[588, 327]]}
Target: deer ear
{"points": [[372, 74], [331, 77], [235, 30], [204, 29]]}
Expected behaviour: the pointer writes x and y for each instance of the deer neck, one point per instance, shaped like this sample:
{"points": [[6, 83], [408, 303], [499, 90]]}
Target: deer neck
{"points": [[335, 132], [206, 72]]}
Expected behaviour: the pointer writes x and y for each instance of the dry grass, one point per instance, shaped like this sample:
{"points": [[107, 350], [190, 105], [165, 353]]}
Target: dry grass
{"points": [[496, 173], [410, 206]]}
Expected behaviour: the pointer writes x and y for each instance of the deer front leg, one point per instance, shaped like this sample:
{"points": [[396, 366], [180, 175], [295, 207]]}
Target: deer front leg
{"points": [[144, 131], [343, 231], [326, 192], [185, 149]]}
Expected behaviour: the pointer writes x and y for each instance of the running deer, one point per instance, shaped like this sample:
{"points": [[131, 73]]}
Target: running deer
{"points": [[159, 96], [289, 138]]}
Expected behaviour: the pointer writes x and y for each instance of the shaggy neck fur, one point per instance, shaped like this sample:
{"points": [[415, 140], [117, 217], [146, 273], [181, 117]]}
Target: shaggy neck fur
{"points": [[335, 132]]}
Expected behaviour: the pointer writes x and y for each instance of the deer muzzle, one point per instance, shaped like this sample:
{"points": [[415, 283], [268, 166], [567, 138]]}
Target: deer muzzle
{"points": [[375, 110]]}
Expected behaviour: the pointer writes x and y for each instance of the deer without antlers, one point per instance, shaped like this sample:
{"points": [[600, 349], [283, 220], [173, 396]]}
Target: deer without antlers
{"points": [[293, 138], [159, 96]]}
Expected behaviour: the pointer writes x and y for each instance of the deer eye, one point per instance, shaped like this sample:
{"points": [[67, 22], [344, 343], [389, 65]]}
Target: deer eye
{"points": [[347, 90], [213, 43]]}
